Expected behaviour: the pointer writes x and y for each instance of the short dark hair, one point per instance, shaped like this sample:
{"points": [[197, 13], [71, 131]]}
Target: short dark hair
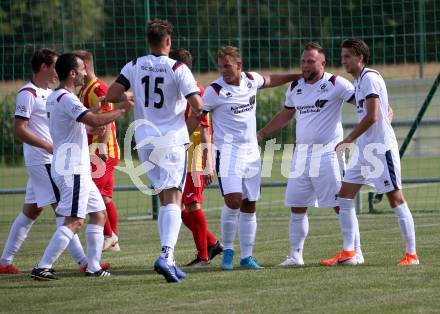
{"points": [[358, 47], [157, 31], [43, 56], [65, 63], [313, 45], [182, 55]]}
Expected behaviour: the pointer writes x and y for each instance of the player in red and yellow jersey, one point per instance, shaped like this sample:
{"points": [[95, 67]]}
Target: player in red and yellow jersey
{"points": [[103, 145], [192, 214]]}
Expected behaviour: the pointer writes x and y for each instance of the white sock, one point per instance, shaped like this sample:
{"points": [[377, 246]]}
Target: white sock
{"points": [[56, 247], [18, 234], [171, 221], [228, 222], [406, 224], [74, 248], [95, 242], [247, 230], [357, 238], [168, 254], [298, 230], [347, 222], [160, 221]]}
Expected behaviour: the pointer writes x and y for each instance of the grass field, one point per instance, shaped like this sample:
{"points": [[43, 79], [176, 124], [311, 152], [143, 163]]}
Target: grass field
{"points": [[378, 286]]}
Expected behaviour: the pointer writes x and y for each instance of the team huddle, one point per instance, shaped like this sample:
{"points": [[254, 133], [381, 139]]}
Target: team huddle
{"points": [[70, 152]]}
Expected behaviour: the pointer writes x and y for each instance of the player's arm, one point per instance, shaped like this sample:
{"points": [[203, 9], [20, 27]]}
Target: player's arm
{"points": [[207, 161], [23, 134], [274, 80], [100, 119], [279, 121], [193, 121], [372, 107]]}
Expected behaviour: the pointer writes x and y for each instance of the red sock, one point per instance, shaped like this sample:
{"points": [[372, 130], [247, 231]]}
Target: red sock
{"points": [[107, 228], [199, 230], [186, 219], [112, 217]]}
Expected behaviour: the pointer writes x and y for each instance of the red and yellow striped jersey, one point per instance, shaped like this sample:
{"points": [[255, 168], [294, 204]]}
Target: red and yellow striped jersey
{"points": [[89, 95], [194, 150]]}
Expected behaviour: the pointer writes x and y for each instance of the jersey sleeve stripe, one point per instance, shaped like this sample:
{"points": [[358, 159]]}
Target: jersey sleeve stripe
{"points": [[21, 117], [192, 94], [30, 90], [264, 83], [293, 85], [61, 96], [81, 115], [332, 79], [176, 65], [249, 75], [369, 71], [123, 81], [290, 108], [133, 62], [372, 95], [216, 87]]}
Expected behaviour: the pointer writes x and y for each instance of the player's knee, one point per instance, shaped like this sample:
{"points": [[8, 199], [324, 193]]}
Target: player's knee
{"points": [[248, 206], [233, 202], [395, 198], [298, 210], [74, 224], [32, 211]]}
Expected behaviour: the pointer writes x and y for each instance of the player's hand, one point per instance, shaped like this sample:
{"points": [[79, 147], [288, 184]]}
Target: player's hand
{"points": [[49, 148], [208, 177], [127, 104], [342, 146]]}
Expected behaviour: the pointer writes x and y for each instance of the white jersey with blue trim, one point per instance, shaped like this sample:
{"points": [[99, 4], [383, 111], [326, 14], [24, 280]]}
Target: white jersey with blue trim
{"points": [[370, 84], [70, 145], [318, 108], [31, 106], [161, 87], [233, 110]]}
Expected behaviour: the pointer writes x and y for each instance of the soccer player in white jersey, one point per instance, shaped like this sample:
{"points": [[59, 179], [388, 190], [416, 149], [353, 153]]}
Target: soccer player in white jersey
{"points": [[32, 127], [162, 87], [71, 171], [316, 102], [231, 100], [378, 163]]}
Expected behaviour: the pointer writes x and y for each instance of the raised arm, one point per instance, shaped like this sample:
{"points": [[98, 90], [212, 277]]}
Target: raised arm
{"points": [[274, 80]]}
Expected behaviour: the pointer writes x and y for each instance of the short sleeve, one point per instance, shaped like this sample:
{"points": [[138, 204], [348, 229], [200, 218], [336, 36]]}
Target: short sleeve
{"points": [[345, 89], [210, 99], [125, 75], [259, 79], [73, 107], [24, 105], [371, 87], [186, 82], [288, 102]]}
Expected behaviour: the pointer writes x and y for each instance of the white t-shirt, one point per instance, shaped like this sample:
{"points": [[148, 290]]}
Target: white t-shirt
{"points": [[70, 146], [318, 108], [31, 106], [371, 84], [233, 110], [160, 86]]}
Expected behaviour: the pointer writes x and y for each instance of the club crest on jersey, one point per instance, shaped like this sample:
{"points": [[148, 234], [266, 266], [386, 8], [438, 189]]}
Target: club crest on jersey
{"points": [[249, 84], [320, 103], [323, 87]]}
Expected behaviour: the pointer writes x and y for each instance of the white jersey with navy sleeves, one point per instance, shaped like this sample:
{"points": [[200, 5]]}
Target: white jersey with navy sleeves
{"points": [[31, 106], [160, 86], [70, 145]]}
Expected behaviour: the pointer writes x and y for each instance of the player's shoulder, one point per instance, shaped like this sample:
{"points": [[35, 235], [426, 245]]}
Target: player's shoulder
{"points": [[28, 89], [369, 74], [336, 80], [295, 85], [215, 87]]}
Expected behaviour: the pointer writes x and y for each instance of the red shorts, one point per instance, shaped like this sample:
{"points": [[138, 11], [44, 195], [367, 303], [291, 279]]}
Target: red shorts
{"points": [[105, 181], [193, 192]]}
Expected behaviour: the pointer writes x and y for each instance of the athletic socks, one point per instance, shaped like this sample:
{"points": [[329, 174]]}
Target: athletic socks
{"points": [[229, 222], [298, 230], [59, 242], [199, 230], [112, 219], [17, 235], [406, 224], [169, 222], [74, 248], [347, 222], [95, 242], [247, 230]]}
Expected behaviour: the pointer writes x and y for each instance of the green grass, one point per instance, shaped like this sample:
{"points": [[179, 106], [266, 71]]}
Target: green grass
{"points": [[379, 286]]}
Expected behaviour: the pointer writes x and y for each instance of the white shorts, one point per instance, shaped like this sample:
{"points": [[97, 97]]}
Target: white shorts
{"points": [[41, 189], [383, 173], [239, 175], [165, 167], [314, 181], [79, 196]]}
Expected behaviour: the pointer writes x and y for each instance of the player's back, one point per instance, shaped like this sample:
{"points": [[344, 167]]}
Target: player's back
{"points": [[70, 145], [160, 86]]}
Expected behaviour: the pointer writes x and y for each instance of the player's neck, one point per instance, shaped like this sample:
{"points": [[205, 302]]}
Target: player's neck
{"points": [[70, 86], [358, 71], [40, 81], [315, 79], [162, 51]]}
